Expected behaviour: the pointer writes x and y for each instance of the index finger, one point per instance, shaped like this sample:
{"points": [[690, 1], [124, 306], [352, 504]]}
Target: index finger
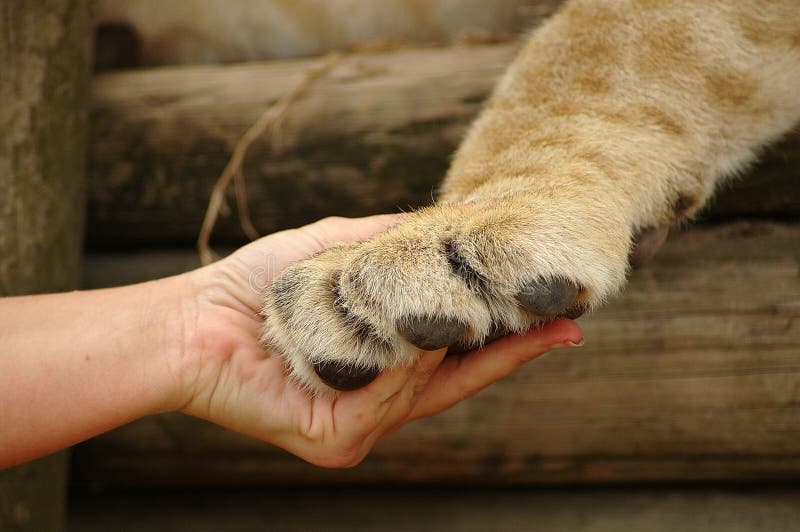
{"points": [[462, 376]]}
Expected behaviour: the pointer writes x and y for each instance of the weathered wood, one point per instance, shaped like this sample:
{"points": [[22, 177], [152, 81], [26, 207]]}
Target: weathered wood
{"points": [[374, 136], [45, 77], [690, 375], [450, 509]]}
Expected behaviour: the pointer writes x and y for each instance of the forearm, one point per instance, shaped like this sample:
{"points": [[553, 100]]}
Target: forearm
{"points": [[76, 364]]}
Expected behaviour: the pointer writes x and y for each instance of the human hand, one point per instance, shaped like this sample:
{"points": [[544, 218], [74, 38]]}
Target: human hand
{"points": [[227, 377]]}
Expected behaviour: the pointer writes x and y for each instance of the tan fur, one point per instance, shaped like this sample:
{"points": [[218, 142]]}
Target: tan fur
{"points": [[616, 116]]}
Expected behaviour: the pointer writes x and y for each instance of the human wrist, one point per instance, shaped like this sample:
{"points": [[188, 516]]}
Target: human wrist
{"points": [[211, 322], [173, 309]]}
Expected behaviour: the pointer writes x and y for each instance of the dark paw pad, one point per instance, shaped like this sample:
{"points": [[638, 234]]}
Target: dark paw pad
{"points": [[548, 298], [343, 377], [431, 333]]}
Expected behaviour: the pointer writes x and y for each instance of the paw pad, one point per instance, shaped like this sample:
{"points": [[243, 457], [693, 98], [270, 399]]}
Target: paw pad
{"points": [[548, 298], [431, 333], [344, 377]]}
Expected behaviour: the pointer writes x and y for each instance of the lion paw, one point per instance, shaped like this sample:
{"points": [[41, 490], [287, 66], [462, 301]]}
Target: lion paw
{"points": [[452, 276]]}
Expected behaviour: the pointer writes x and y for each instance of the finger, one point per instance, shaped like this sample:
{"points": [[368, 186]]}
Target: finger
{"points": [[399, 413], [461, 376], [367, 406], [334, 229], [393, 387], [428, 364], [395, 398], [387, 389], [406, 397], [260, 261]]}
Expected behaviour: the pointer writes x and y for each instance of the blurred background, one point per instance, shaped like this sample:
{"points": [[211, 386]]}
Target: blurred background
{"points": [[681, 412]]}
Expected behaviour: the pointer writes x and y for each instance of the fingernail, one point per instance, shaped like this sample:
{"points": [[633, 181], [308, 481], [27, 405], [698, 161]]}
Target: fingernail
{"points": [[568, 343]]}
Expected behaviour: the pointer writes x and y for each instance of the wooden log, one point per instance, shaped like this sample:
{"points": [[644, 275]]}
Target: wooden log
{"points": [[45, 77], [690, 375], [333, 509], [373, 136]]}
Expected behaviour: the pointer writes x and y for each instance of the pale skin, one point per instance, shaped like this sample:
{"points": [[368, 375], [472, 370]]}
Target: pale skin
{"points": [[76, 364]]}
